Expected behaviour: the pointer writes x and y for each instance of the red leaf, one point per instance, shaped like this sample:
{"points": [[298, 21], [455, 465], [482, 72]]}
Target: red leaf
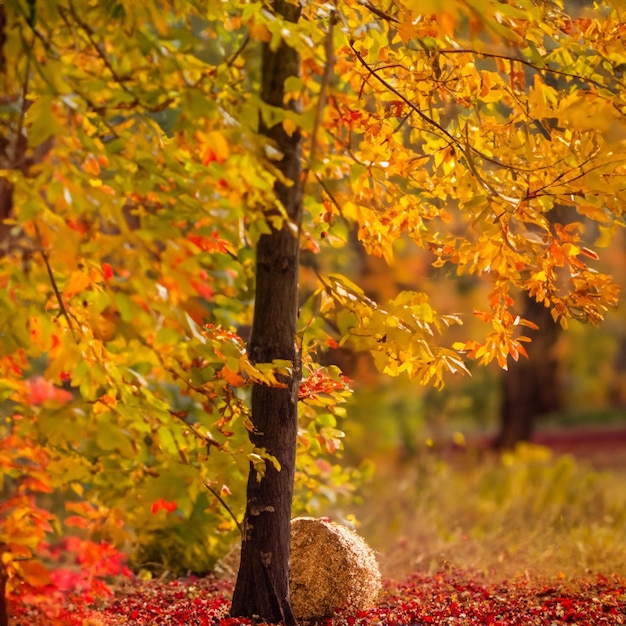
{"points": [[107, 271], [40, 390], [169, 507]]}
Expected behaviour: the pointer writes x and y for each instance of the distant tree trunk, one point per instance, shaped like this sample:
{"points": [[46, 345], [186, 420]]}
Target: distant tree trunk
{"points": [[14, 153], [262, 587], [531, 387]]}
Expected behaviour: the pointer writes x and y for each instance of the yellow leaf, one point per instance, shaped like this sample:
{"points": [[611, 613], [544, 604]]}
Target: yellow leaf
{"points": [[217, 144], [79, 281], [63, 358], [606, 235]]}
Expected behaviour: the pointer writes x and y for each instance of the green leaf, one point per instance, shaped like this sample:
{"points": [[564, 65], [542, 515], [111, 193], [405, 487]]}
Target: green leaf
{"points": [[42, 122], [293, 84], [110, 437]]}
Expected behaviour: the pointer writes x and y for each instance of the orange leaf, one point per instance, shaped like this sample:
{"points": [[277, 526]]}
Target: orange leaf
{"points": [[34, 573], [76, 521], [91, 165], [521, 349], [259, 32], [78, 281], [231, 377]]}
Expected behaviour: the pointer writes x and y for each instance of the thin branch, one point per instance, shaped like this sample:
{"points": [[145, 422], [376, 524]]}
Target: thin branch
{"points": [[178, 376], [327, 77], [581, 173], [378, 12], [537, 68], [324, 186], [90, 36], [55, 287], [205, 482], [31, 18], [20, 123], [223, 503], [206, 439], [452, 140], [239, 51], [136, 101], [466, 149], [404, 99]]}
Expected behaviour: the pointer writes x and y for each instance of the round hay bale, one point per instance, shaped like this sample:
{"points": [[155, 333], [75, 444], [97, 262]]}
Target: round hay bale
{"points": [[331, 568]]}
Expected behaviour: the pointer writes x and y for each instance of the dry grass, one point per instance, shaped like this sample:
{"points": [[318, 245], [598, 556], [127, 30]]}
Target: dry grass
{"points": [[525, 514]]}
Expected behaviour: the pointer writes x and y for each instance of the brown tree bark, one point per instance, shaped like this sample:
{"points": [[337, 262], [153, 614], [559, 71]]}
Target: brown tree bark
{"points": [[14, 152], [262, 587], [530, 388]]}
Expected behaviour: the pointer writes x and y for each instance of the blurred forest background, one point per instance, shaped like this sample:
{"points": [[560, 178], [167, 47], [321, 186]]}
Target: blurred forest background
{"points": [[503, 471]]}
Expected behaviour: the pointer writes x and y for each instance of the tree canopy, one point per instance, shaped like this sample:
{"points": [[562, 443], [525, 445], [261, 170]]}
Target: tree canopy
{"points": [[136, 182]]}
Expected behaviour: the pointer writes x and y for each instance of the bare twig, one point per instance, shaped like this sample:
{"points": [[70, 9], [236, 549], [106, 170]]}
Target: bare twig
{"points": [[223, 503], [239, 51], [378, 12], [324, 186], [55, 287], [327, 77], [206, 439]]}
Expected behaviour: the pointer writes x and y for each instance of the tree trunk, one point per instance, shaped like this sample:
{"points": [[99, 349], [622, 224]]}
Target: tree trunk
{"points": [[262, 587], [531, 387]]}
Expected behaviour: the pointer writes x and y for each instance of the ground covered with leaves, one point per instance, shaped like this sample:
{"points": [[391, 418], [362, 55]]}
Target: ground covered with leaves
{"points": [[448, 597]]}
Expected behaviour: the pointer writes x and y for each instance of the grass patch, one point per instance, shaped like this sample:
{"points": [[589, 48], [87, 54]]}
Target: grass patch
{"points": [[527, 513]]}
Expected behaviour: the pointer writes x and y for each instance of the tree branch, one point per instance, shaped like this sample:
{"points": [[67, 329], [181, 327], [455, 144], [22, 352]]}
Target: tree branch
{"points": [[537, 68], [452, 140], [327, 76], [55, 287], [223, 503]]}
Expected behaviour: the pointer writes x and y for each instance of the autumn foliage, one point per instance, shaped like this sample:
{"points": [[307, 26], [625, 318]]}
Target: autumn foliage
{"points": [[135, 185]]}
